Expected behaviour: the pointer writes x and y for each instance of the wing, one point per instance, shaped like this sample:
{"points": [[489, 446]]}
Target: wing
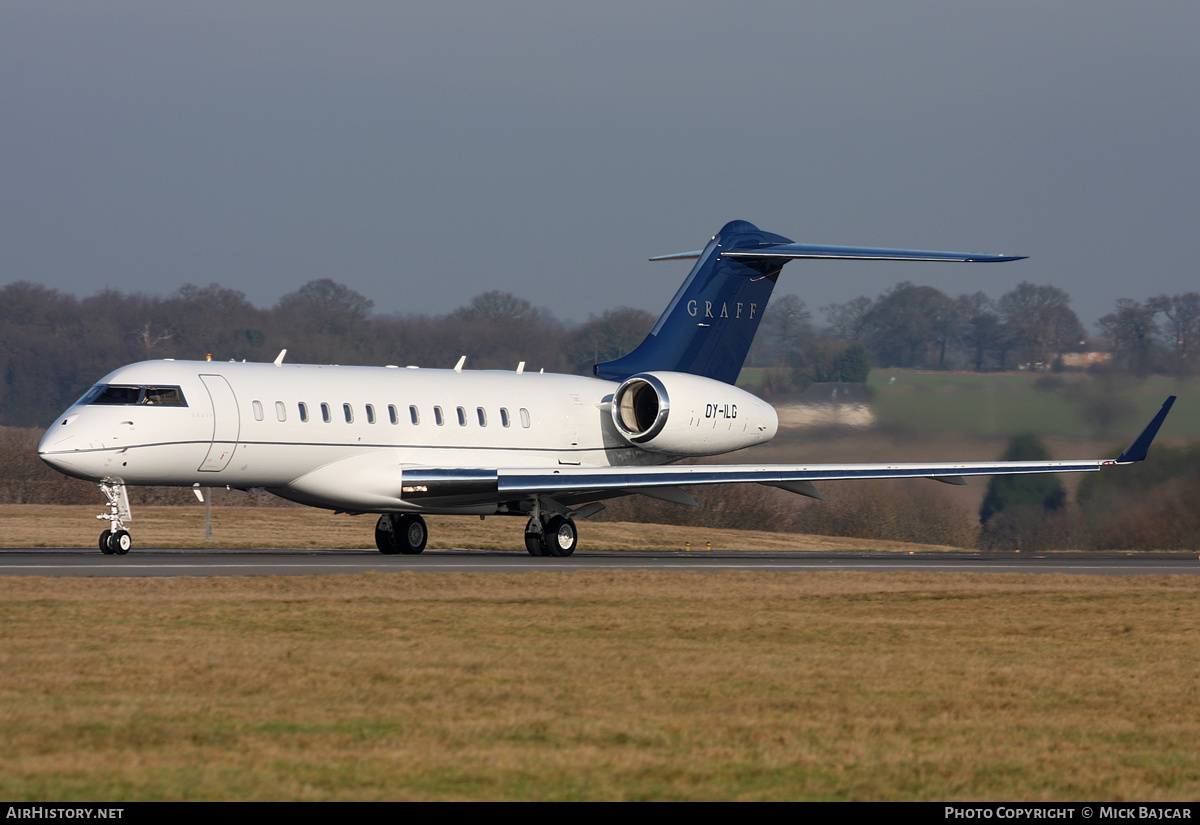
{"points": [[570, 486], [581, 483]]}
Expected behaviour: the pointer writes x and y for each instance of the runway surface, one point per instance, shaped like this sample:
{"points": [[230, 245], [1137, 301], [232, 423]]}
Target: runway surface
{"points": [[156, 562]]}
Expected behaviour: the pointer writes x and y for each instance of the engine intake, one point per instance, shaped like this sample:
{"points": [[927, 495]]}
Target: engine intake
{"points": [[640, 408], [681, 414]]}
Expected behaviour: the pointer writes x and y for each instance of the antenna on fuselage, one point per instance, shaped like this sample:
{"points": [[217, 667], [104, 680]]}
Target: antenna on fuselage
{"points": [[458, 367], [279, 358]]}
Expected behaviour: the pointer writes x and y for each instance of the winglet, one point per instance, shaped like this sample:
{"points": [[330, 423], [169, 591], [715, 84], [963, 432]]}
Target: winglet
{"points": [[1137, 449]]}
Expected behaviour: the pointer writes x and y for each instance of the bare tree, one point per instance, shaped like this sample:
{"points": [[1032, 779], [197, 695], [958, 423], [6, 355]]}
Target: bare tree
{"points": [[1132, 330], [848, 321], [784, 334], [1041, 321], [497, 307], [981, 330], [911, 326], [1183, 326], [615, 333]]}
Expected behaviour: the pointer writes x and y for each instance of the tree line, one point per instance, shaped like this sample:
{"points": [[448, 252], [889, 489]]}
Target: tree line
{"points": [[53, 346], [1029, 327]]}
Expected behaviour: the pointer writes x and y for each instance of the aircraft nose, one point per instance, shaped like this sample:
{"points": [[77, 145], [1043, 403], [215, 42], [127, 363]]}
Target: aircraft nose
{"points": [[57, 437], [58, 448], [76, 463], [55, 460]]}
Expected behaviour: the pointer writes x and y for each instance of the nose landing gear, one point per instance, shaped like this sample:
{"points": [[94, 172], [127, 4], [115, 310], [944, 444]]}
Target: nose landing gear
{"points": [[115, 541], [115, 544]]}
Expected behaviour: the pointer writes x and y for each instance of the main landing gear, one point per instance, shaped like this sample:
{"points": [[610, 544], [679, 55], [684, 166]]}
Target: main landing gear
{"points": [[404, 534], [549, 532], [556, 536], [115, 541]]}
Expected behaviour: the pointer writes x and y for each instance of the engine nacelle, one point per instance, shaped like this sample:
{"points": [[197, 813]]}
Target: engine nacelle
{"points": [[681, 414]]}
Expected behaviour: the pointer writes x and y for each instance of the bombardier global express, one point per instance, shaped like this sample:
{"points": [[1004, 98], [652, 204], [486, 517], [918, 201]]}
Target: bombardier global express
{"points": [[407, 442]]}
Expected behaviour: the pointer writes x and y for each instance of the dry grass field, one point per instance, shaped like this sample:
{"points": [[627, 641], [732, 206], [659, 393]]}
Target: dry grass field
{"points": [[51, 525], [615, 686]]}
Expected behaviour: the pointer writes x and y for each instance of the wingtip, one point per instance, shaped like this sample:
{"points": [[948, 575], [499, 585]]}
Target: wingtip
{"points": [[979, 257], [1139, 448], [679, 256]]}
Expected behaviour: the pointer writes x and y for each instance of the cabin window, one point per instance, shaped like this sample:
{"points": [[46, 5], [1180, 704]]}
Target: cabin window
{"points": [[437, 416], [303, 411], [414, 415], [370, 413], [524, 418], [326, 416], [258, 413], [504, 419], [462, 417], [280, 412], [348, 411], [482, 416], [392, 414]]}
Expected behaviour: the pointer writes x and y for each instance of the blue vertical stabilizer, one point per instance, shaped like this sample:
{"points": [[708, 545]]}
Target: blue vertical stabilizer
{"points": [[709, 325]]}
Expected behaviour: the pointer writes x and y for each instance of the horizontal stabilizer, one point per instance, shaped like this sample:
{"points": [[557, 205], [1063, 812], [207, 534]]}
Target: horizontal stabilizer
{"points": [[861, 253], [795, 251]]}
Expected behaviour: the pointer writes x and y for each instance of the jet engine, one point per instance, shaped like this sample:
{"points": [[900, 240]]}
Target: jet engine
{"points": [[681, 414]]}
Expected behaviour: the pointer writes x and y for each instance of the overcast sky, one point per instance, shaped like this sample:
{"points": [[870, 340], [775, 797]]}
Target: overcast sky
{"points": [[424, 153]]}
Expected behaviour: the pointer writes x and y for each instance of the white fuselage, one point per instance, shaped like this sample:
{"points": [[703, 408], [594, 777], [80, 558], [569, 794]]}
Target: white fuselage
{"points": [[271, 426]]}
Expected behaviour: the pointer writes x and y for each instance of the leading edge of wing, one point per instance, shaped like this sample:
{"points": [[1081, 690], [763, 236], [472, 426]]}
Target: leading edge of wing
{"points": [[531, 481], [864, 253]]}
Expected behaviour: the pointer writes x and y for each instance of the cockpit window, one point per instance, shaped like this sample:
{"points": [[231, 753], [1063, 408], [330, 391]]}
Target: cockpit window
{"points": [[164, 397], [114, 394], [90, 394], [120, 394]]}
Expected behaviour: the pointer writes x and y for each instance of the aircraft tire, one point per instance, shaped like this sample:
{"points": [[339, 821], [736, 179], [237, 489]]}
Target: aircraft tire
{"points": [[561, 536], [104, 546], [411, 535], [120, 542], [385, 539], [533, 541]]}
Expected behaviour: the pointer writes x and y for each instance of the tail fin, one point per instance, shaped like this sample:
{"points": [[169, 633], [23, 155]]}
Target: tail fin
{"points": [[709, 325]]}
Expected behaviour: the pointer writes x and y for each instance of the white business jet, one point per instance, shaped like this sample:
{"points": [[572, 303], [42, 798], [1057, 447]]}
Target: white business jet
{"points": [[405, 442]]}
